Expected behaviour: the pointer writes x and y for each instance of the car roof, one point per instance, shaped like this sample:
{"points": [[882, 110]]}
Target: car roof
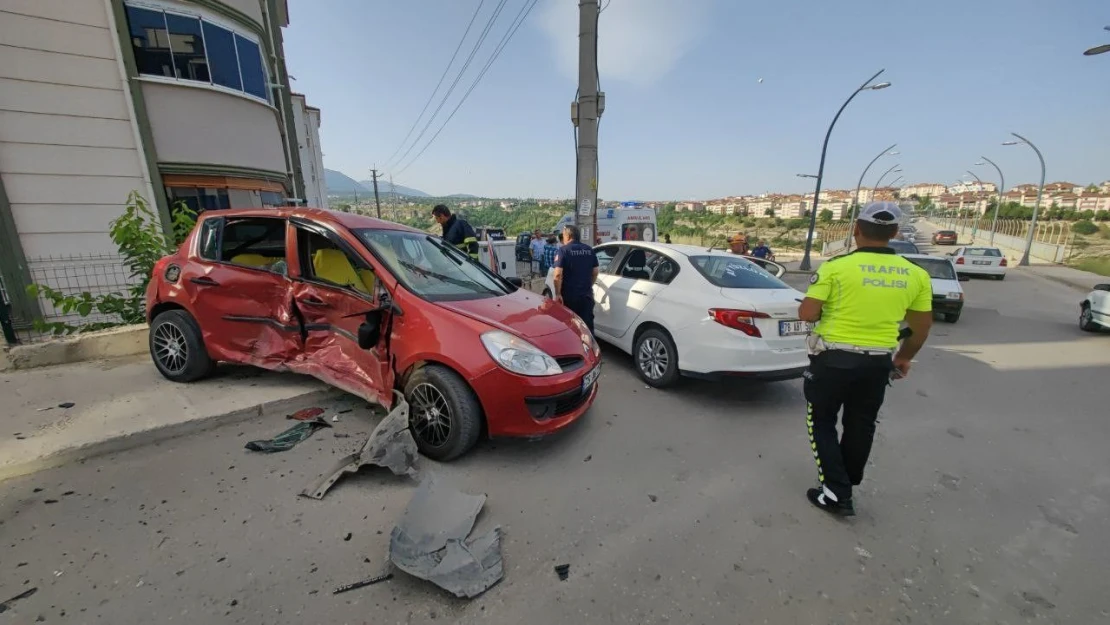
{"points": [[685, 250], [330, 217], [926, 256]]}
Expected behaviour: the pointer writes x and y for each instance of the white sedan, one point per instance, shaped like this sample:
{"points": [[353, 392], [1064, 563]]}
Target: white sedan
{"points": [[1094, 311], [682, 310], [980, 261]]}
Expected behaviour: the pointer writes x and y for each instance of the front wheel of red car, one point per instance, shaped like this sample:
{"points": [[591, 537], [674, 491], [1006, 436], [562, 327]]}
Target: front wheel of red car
{"points": [[177, 348], [445, 417]]}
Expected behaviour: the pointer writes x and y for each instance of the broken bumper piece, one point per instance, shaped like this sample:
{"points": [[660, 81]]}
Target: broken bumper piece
{"points": [[429, 542], [390, 445]]}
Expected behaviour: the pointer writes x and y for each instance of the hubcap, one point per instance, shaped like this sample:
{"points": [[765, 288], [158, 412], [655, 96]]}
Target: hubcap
{"points": [[170, 348], [653, 358], [431, 416]]}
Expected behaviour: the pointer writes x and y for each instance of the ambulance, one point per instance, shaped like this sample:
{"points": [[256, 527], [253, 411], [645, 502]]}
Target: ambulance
{"points": [[632, 221]]}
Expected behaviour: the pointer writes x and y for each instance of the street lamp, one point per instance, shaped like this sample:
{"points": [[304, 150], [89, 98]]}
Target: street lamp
{"points": [[893, 170], [1001, 185], [855, 199], [867, 85], [1098, 49], [805, 175], [975, 224], [1024, 262]]}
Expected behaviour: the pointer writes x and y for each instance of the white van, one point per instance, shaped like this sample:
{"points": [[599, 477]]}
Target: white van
{"points": [[631, 222]]}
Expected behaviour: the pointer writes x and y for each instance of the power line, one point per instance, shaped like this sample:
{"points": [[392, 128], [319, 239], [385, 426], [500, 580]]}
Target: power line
{"points": [[521, 16], [458, 77], [440, 83]]}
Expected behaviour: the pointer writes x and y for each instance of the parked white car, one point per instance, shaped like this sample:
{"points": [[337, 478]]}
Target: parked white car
{"points": [[682, 310], [948, 295], [980, 261], [1094, 311]]}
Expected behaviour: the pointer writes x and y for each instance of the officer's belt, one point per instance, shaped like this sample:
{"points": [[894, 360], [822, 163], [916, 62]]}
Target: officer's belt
{"points": [[866, 351]]}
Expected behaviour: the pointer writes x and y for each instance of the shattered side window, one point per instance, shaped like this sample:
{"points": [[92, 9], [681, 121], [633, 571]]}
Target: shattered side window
{"points": [[209, 244]]}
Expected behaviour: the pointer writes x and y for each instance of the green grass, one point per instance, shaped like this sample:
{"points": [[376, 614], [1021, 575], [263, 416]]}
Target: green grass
{"points": [[1100, 265]]}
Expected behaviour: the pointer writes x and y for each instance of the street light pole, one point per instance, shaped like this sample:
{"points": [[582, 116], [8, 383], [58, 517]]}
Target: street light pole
{"points": [[889, 171], [975, 225], [1098, 49], [1024, 262], [855, 198], [1001, 186], [805, 264]]}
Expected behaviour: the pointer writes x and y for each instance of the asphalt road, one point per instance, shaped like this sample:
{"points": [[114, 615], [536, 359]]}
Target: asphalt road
{"points": [[988, 501]]}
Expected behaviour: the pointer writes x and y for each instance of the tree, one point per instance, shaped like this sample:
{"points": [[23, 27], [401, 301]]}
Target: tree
{"points": [[1084, 227], [770, 212], [826, 216]]}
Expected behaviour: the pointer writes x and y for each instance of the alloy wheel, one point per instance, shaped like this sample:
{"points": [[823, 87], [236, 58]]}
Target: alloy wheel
{"points": [[170, 348], [431, 415], [653, 358]]}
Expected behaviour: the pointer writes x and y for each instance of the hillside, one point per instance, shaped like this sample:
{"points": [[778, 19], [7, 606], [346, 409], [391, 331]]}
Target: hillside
{"points": [[384, 187], [340, 183]]}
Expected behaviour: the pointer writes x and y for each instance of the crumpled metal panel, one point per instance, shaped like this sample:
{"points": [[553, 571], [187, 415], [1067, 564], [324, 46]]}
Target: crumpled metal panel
{"points": [[390, 445], [429, 541]]}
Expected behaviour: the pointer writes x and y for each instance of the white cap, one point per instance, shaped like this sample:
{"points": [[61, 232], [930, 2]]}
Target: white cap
{"points": [[882, 213]]}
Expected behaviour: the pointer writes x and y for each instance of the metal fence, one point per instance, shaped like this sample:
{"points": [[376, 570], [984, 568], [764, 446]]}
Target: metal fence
{"points": [[96, 274], [1051, 239]]}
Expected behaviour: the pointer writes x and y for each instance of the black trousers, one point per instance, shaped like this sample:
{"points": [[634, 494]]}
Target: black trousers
{"points": [[857, 384], [583, 307]]}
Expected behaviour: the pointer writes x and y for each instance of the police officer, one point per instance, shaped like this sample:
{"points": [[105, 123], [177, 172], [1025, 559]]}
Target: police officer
{"points": [[858, 301], [457, 232], [576, 270]]}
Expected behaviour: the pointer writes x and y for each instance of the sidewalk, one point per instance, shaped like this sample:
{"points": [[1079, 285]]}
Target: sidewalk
{"points": [[124, 403], [1078, 279]]}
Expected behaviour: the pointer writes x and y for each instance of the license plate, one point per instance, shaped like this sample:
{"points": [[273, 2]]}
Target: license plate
{"points": [[793, 328], [980, 262], [591, 378]]}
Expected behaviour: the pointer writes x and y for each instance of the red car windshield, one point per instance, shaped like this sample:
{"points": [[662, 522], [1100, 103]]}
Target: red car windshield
{"points": [[431, 268]]}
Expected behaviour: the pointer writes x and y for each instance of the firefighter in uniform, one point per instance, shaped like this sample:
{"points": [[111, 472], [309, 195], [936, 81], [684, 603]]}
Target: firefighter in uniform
{"points": [[858, 302], [456, 231]]}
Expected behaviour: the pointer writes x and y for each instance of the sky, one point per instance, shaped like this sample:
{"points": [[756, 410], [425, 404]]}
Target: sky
{"points": [[687, 116]]}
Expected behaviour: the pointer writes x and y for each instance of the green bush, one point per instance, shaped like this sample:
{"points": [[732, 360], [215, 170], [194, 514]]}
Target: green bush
{"points": [[1084, 227], [141, 242], [749, 223]]}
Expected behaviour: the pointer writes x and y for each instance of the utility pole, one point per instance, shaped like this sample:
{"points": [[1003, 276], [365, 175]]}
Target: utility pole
{"points": [[585, 113], [377, 203]]}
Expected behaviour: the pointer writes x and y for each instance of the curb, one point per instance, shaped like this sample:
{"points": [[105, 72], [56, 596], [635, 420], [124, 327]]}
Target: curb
{"points": [[111, 343], [157, 434]]}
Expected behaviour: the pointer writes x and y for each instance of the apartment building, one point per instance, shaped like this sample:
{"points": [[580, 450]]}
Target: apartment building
{"points": [[180, 100], [693, 207], [306, 119], [924, 189]]}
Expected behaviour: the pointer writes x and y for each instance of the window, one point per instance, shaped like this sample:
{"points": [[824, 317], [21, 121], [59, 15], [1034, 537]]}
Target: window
{"points": [[324, 261], [937, 268], [729, 272], [200, 200], [984, 251], [271, 199], [641, 264], [257, 242], [190, 48], [209, 238], [430, 269], [605, 255]]}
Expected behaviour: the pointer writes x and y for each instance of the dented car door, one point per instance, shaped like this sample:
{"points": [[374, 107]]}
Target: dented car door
{"points": [[342, 303]]}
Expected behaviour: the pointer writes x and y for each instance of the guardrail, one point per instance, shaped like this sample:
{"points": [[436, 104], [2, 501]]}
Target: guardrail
{"points": [[1050, 241]]}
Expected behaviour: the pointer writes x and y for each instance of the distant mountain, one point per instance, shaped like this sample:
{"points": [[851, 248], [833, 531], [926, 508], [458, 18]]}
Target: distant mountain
{"points": [[339, 183], [384, 187], [462, 196]]}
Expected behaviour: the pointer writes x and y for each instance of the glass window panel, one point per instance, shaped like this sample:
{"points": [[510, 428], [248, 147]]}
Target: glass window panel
{"points": [[150, 41], [187, 44], [223, 64], [250, 65]]}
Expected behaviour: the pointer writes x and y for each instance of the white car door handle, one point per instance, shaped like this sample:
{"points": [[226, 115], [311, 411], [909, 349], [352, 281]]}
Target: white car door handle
{"points": [[638, 292]]}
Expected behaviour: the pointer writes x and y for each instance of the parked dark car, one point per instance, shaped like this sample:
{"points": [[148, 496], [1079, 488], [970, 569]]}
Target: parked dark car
{"points": [[944, 237]]}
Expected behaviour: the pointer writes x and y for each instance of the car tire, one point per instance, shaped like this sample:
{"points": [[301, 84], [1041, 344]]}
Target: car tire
{"points": [[952, 317], [1087, 320], [431, 391], [177, 347], [1000, 277], [656, 358]]}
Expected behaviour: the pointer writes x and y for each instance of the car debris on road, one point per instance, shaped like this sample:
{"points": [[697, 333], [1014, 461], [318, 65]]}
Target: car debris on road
{"points": [[390, 445], [289, 438], [430, 542]]}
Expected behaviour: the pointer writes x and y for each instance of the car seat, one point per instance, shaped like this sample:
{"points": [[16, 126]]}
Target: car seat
{"points": [[252, 260], [333, 266], [636, 265]]}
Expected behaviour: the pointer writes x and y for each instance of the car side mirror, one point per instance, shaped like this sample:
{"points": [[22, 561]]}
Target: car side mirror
{"points": [[965, 278], [517, 282], [370, 331], [1102, 287]]}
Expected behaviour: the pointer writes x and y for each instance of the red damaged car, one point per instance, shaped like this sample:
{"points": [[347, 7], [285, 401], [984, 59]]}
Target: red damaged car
{"points": [[371, 306]]}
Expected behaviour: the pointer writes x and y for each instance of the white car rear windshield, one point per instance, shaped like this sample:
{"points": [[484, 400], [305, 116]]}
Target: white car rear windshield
{"points": [[733, 272], [983, 251], [937, 268]]}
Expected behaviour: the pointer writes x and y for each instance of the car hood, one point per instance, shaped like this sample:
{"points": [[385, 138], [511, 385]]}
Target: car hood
{"points": [[522, 313]]}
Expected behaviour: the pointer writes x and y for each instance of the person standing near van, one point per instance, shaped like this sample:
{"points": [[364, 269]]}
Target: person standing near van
{"points": [[456, 231], [858, 302], [576, 270]]}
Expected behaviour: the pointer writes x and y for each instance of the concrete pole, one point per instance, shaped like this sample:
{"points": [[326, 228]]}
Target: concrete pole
{"points": [[587, 113], [377, 202]]}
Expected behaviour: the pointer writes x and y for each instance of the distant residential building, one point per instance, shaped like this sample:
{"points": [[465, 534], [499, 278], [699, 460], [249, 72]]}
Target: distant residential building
{"points": [[693, 207], [306, 119], [924, 189]]}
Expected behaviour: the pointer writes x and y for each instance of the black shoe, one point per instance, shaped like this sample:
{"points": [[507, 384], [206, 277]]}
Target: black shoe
{"points": [[817, 497]]}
